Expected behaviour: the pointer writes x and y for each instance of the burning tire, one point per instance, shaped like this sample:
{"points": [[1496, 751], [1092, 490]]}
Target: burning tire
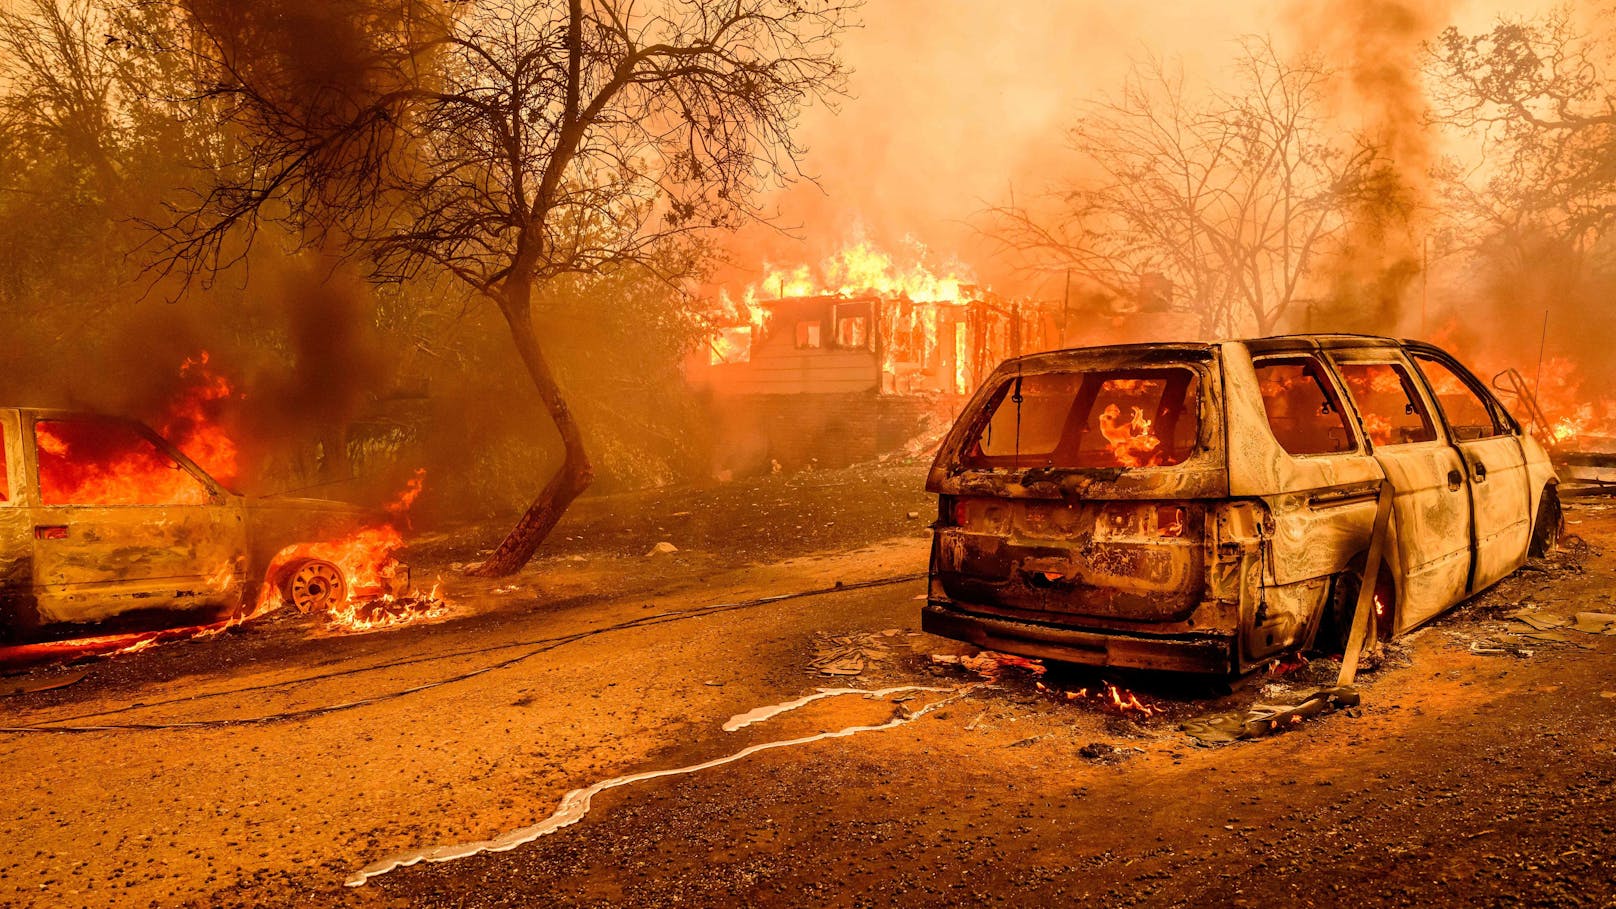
{"points": [[314, 585]]}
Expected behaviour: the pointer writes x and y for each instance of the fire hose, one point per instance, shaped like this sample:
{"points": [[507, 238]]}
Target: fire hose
{"points": [[536, 647]]}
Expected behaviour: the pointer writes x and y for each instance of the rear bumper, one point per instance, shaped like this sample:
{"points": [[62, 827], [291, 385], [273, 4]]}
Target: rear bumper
{"points": [[1211, 654]]}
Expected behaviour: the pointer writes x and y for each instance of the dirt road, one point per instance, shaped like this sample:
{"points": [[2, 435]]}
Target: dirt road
{"points": [[267, 768]]}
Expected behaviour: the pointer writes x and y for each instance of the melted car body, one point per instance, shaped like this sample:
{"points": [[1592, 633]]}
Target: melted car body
{"points": [[1209, 507]]}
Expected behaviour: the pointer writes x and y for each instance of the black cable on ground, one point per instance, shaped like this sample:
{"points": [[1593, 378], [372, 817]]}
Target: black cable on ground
{"points": [[535, 648]]}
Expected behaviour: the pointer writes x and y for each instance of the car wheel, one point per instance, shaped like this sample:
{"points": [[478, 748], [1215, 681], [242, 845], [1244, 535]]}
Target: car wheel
{"points": [[1336, 626], [314, 585], [1546, 528]]}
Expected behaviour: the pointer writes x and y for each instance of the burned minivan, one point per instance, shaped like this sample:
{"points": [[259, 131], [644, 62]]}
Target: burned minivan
{"points": [[1209, 507]]}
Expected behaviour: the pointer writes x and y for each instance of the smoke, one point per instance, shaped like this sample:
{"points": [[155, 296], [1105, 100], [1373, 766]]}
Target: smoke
{"points": [[328, 364], [1377, 47], [957, 105]]}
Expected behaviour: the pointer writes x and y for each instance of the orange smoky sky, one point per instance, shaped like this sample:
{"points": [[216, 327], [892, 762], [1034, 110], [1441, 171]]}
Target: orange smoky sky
{"points": [[957, 104]]}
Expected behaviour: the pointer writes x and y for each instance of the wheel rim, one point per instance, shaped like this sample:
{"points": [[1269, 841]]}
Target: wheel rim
{"points": [[316, 586]]}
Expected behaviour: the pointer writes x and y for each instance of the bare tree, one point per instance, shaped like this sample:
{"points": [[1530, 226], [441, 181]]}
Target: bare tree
{"points": [[60, 84], [506, 144], [1229, 195], [1537, 95]]}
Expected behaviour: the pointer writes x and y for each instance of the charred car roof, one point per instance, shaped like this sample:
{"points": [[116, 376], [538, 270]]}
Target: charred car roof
{"points": [[1178, 350]]}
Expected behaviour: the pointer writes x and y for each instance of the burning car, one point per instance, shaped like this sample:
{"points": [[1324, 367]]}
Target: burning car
{"points": [[106, 526], [1210, 507]]}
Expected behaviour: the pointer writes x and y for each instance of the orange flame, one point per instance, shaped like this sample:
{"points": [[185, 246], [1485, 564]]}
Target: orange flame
{"points": [[405, 500], [1132, 443], [1109, 695], [859, 269], [85, 462], [374, 578], [93, 462], [192, 420], [919, 300]]}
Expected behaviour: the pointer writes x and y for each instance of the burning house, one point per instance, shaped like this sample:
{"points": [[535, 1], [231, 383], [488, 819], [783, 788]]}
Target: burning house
{"points": [[830, 368], [829, 379]]}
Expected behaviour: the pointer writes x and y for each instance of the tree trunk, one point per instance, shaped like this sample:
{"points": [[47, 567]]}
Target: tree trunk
{"points": [[575, 473]]}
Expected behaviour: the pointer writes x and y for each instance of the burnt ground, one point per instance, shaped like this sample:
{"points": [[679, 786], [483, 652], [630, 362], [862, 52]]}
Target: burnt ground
{"points": [[266, 766]]}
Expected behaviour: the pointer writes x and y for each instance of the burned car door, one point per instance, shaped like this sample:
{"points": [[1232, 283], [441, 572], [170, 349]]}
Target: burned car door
{"points": [[125, 526], [1321, 496], [1431, 502], [1500, 492]]}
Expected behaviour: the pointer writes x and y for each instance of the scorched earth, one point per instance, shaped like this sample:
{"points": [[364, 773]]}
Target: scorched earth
{"points": [[281, 763]]}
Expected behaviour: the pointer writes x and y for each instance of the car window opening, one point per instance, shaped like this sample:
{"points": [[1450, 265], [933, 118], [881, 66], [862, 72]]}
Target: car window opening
{"points": [[1302, 409], [1128, 418], [1468, 414], [1392, 411], [105, 462]]}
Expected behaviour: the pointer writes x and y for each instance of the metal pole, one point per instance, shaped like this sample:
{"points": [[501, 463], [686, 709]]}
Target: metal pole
{"points": [[1066, 310], [1542, 342], [1425, 281]]}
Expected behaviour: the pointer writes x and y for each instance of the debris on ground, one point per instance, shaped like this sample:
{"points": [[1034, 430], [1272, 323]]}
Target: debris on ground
{"points": [[1398, 654], [662, 548], [1535, 620], [1490, 647], [1594, 623], [1266, 719], [850, 654], [1554, 628], [1105, 753], [989, 664]]}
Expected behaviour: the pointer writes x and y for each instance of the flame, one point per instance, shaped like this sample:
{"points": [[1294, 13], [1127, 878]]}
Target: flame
{"points": [[1379, 429], [1576, 417], [192, 421], [916, 297], [1566, 428], [405, 500], [374, 596], [1127, 701], [96, 462], [89, 462], [1131, 441], [731, 345], [1109, 695]]}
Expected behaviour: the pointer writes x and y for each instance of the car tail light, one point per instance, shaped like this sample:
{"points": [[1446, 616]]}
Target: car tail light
{"points": [[1147, 520], [979, 514]]}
